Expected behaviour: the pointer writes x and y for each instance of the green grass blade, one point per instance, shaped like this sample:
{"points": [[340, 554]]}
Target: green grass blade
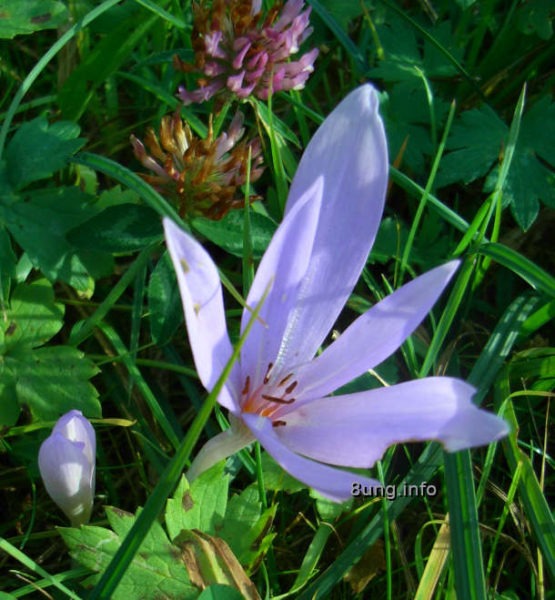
{"points": [[43, 62], [155, 503], [138, 380], [81, 333], [33, 566], [484, 373], [464, 526], [522, 266], [163, 14], [336, 29], [535, 504], [130, 180]]}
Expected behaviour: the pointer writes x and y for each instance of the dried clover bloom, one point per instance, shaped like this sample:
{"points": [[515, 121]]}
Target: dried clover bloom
{"points": [[246, 52], [200, 176]]}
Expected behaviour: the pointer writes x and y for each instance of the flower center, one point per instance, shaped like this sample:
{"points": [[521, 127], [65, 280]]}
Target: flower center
{"points": [[269, 397]]}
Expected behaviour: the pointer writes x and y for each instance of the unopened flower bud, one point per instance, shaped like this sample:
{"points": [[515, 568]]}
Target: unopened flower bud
{"points": [[67, 466]]}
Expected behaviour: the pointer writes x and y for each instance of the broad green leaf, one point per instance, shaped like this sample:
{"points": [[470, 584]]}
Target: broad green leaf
{"points": [[246, 527], [201, 505], [119, 229], [32, 318], [228, 232], [54, 380], [40, 227], [19, 17], [38, 149], [164, 301], [156, 571], [476, 142]]}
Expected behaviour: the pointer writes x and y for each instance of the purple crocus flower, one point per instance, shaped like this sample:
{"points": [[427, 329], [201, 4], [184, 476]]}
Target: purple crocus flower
{"points": [[278, 392], [67, 466]]}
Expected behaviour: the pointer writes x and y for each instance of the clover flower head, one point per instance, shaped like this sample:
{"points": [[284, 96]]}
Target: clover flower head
{"points": [[200, 176], [279, 390], [67, 460], [241, 50]]}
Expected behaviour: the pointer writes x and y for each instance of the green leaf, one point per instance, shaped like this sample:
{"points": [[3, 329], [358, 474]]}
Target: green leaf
{"points": [[119, 229], [219, 591], [32, 318], [40, 227], [19, 17], [227, 233], [54, 380], [476, 142], [164, 301], [201, 505], [38, 149], [156, 571], [246, 526]]}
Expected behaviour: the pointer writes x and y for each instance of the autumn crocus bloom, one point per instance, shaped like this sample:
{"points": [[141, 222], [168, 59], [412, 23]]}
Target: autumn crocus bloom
{"points": [[67, 466], [240, 50], [278, 392], [200, 176]]}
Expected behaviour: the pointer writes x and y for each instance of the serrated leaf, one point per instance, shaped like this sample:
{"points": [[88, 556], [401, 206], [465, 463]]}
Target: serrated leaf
{"points": [[476, 142], [227, 233], [38, 149], [201, 505], [19, 17], [40, 227], [246, 526], [32, 318], [54, 380], [155, 572], [118, 229], [164, 301]]}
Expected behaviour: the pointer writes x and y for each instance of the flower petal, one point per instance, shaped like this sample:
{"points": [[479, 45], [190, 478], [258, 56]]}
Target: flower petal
{"points": [[221, 446], [374, 336], [332, 483], [201, 295], [356, 429], [68, 476], [349, 150], [76, 428], [283, 268]]}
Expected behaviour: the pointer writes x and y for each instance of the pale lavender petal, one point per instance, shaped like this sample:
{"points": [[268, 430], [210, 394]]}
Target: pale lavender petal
{"points": [[374, 336], [220, 447], [355, 430], [68, 476], [76, 428], [349, 150], [201, 295], [332, 483], [282, 270]]}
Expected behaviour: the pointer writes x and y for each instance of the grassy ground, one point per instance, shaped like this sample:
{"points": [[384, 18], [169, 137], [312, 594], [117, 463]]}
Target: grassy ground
{"points": [[92, 320]]}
